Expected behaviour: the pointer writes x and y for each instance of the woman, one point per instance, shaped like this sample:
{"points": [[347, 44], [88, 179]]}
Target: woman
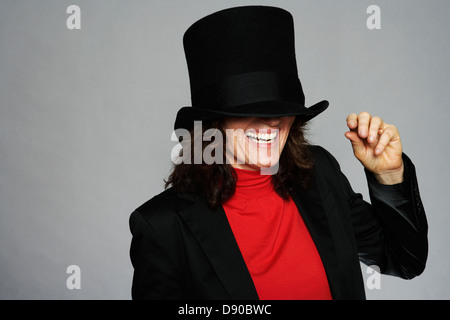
{"points": [[273, 217]]}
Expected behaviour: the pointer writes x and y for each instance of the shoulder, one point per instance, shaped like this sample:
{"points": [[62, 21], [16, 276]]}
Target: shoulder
{"points": [[323, 157], [326, 168], [161, 210], [165, 201]]}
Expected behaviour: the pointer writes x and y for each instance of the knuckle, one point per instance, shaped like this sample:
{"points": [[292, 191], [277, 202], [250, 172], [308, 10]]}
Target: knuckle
{"points": [[377, 119], [364, 114], [385, 138], [391, 128]]}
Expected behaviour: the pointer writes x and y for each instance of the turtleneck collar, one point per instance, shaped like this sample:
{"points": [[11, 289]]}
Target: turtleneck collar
{"points": [[252, 184]]}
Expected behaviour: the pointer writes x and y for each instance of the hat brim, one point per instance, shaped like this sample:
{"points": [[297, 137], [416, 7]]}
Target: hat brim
{"points": [[187, 115]]}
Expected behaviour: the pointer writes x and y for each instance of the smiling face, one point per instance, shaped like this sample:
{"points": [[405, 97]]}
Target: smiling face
{"points": [[253, 143]]}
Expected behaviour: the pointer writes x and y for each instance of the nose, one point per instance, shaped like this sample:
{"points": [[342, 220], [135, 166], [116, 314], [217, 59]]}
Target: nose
{"points": [[271, 122]]}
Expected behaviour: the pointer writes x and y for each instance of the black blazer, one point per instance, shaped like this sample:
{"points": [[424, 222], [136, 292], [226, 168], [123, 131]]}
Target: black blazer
{"points": [[181, 249]]}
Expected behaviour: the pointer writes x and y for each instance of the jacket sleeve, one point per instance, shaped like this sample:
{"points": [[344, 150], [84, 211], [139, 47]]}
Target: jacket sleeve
{"points": [[154, 276], [404, 224], [391, 231]]}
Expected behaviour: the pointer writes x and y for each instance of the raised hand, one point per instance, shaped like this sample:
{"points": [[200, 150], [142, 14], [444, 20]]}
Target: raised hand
{"points": [[377, 146]]}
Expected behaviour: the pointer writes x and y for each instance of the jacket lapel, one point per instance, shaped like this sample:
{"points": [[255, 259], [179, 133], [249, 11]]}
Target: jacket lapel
{"points": [[315, 204], [214, 234]]}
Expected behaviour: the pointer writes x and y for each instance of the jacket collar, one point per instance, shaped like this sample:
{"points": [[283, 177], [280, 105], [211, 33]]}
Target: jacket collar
{"points": [[214, 234]]}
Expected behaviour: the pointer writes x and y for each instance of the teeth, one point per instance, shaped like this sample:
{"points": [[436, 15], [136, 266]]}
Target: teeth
{"points": [[262, 136]]}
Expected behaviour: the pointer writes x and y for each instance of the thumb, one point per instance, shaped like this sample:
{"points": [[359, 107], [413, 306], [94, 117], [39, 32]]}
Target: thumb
{"points": [[357, 143]]}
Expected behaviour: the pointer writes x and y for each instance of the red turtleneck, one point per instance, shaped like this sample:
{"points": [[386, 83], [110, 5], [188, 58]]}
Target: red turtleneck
{"points": [[277, 248]]}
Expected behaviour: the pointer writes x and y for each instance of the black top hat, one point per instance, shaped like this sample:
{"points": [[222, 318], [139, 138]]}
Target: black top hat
{"points": [[241, 63]]}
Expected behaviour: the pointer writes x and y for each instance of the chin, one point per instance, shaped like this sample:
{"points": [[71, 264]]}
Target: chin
{"points": [[268, 164]]}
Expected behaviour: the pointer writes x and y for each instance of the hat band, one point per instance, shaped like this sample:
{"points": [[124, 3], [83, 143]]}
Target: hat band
{"points": [[247, 88]]}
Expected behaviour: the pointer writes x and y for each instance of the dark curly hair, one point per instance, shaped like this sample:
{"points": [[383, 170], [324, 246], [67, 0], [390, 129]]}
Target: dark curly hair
{"points": [[217, 182]]}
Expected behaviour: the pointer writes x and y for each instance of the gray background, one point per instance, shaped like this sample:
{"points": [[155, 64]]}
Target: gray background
{"points": [[86, 119]]}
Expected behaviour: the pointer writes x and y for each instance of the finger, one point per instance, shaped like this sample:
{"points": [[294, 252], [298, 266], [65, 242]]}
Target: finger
{"points": [[363, 124], [385, 138], [352, 121], [375, 124], [357, 143]]}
